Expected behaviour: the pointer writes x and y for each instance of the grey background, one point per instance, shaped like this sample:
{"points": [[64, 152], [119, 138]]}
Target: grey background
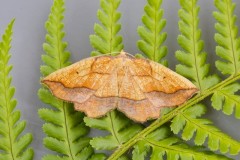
{"points": [[80, 17]]}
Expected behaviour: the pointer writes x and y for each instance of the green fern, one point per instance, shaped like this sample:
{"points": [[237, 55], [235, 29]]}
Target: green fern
{"points": [[188, 122], [228, 43], [193, 65], [229, 50], [64, 127], [152, 38], [163, 144], [121, 130], [226, 100], [193, 59], [12, 145], [106, 38], [105, 41]]}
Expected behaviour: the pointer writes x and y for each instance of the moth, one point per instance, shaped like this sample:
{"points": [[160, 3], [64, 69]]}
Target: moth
{"points": [[138, 87]]}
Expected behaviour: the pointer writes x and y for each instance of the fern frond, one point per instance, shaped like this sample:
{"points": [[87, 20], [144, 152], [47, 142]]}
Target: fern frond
{"points": [[226, 100], [106, 38], [13, 145], [160, 144], [120, 127], [194, 67], [228, 48], [56, 56], [64, 127], [168, 116], [188, 122], [151, 33], [193, 59]]}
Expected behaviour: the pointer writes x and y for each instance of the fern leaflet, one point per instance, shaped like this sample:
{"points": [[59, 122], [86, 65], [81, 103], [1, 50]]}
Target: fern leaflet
{"points": [[226, 99], [163, 144], [64, 127], [120, 127], [188, 122], [228, 43], [12, 145], [152, 38], [106, 38], [228, 49], [193, 58]]}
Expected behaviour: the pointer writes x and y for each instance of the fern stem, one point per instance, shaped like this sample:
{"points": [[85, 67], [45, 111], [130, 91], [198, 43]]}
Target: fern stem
{"points": [[114, 133], [5, 77], [155, 34], [111, 28], [173, 148], [166, 118], [67, 130], [8, 122], [8, 116], [231, 38], [194, 47]]}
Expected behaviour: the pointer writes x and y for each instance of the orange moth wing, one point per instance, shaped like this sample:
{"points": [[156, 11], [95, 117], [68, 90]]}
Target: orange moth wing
{"points": [[138, 87]]}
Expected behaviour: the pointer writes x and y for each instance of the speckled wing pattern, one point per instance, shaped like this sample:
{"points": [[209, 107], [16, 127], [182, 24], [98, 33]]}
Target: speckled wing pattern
{"points": [[138, 87]]}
